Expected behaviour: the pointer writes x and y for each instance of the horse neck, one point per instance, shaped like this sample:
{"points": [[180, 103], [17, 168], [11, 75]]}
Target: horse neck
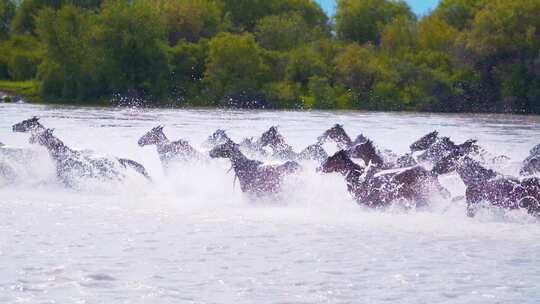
{"points": [[353, 171], [238, 159], [279, 144], [57, 148], [473, 173], [373, 157], [163, 141], [344, 139], [38, 128]]}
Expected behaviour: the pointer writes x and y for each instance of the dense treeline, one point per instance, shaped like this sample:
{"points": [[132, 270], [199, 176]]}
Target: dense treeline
{"points": [[466, 55]]}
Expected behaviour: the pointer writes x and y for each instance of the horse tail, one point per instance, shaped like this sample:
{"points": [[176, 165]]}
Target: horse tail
{"points": [[135, 166]]}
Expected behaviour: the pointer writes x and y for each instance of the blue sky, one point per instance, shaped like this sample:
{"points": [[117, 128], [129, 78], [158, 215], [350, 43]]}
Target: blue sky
{"points": [[419, 6]]}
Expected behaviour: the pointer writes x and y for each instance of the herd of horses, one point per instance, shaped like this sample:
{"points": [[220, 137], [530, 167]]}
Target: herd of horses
{"points": [[375, 178]]}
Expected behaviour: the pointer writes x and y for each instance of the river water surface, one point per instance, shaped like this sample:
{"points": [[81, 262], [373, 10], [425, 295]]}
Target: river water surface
{"points": [[192, 237]]}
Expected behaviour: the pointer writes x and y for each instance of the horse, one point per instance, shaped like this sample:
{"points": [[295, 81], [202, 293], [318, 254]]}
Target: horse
{"points": [[255, 177], [369, 154], [531, 164], [379, 189], [168, 151], [247, 144], [71, 163], [338, 134], [435, 147], [28, 125], [486, 185], [282, 150], [217, 138]]}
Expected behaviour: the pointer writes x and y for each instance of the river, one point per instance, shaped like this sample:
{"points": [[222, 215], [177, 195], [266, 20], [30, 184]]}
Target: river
{"points": [[192, 237]]}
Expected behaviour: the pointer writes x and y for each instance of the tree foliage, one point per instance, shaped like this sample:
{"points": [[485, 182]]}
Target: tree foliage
{"points": [[466, 55]]}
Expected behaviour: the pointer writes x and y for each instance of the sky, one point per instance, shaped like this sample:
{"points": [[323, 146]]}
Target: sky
{"points": [[420, 7]]}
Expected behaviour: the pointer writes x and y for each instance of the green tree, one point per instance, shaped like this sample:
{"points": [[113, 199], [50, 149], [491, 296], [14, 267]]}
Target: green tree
{"points": [[304, 63], [191, 19], [7, 12], [459, 13], [133, 40], [399, 36], [70, 68], [283, 32], [362, 20], [187, 63], [23, 21], [504, 43], [235, 70], [246, 13]]}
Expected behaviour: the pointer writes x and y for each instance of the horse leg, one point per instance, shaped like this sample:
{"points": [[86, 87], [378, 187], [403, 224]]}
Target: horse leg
{"points": [[473, 197], [135, 166]]}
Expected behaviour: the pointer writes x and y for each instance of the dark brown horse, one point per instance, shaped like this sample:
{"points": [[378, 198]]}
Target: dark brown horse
{"points": [[282, 150], [380, 189], [435, 147], [168, 151], [531, 165], [338, 135], [486, 185], [254, 176], [370, 154]]}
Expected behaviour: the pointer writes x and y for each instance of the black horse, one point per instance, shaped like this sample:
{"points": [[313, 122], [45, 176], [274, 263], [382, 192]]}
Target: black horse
{"points": [[370, 154], [338, 134], [168, 151], [531, 165], [379, 189], [486, 185], [252, 147], [435, 147], [254, 176], [282, 150], [70, 163]]}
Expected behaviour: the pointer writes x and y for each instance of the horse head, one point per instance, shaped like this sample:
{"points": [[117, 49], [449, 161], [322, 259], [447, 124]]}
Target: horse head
{"points": [[28, 125], [271, 137], [535, 150], [218, 137], [531, 166], [448, 163], [367, 152], [336, 133], [226, 150], [152, 137], [425, 142], [339, 162]]}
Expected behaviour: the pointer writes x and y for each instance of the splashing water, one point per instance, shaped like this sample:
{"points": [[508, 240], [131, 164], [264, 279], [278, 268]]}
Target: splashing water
{"points": [[192, 237]]}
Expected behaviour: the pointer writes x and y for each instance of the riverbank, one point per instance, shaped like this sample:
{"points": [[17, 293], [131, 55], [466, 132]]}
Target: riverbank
{"points": [[17, 91]]}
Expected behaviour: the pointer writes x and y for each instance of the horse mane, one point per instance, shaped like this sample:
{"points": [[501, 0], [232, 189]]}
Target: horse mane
{"points": [[471, 171]]}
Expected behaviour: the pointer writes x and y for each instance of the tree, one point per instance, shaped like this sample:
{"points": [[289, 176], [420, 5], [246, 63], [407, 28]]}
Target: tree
{"points": [[23, 22], [7, 12], [361, 20], [504, 42], [235, 71], [191, 19], [71, 64], [305, 63], [283, 32], [132, 38], [459, 13], [246, 13], [399, 36]]}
